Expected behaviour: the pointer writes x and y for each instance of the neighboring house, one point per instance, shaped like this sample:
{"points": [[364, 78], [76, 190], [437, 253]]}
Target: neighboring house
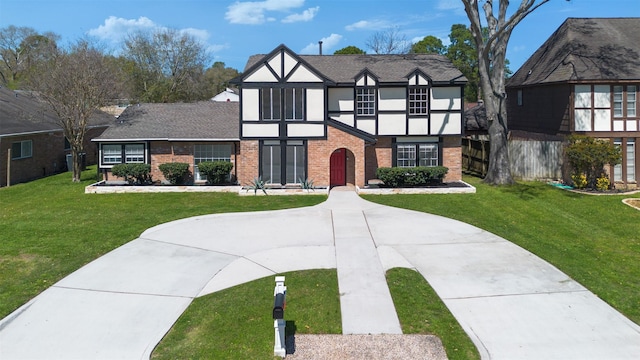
{"points": [[585, 79], [228, 95], [178, 132], [32, 144], [335, 119]]}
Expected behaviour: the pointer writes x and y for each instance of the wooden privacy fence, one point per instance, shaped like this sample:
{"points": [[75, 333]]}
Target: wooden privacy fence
{"points": [[530, 159]]}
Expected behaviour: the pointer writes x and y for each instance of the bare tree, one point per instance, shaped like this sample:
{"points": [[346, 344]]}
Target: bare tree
{"points": [[492, 50], [76, 83], [388, 41], [20, 49]]}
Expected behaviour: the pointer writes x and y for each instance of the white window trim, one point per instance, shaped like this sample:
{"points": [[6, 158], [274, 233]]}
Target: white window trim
{"points": [[24, 146]]}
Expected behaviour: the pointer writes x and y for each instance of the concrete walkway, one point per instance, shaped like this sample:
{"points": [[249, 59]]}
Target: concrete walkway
{"points": [[511, 303]]}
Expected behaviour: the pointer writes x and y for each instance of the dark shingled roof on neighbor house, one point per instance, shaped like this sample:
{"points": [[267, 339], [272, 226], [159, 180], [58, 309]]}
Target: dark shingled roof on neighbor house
{"points": [[198, 121], [583, 50], [22, 112], [343, 69]]}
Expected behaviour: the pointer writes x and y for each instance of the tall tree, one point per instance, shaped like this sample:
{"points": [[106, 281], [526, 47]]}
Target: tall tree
{"points": [[21, 49], [76, 83], [169, 65], [462, 53], [492, 50], [217, 77], [429, 45], [389, 41], [349, 50]]}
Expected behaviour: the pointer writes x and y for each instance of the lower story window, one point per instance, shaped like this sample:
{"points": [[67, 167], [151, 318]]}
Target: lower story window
{"points": [[21, 149], [629, 159], [416, 154], [209, 152], [283, 162], [112, 154]]}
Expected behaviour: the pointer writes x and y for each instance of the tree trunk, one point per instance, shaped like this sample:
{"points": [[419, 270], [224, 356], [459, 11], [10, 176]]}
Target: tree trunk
{"points": [[77, 164]]}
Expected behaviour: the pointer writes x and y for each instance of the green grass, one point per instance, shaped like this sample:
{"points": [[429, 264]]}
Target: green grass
{"points": [[593, 239], [49, 227], [236, 323], [421, 311]]}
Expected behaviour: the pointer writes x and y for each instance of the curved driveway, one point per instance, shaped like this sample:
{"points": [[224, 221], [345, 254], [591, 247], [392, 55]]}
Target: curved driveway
{"points": [[511, 303]]}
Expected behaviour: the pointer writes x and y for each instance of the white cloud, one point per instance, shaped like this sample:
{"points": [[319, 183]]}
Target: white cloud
{"points": [[367, 25], [306, 15], [253, 12], [328, 43], [115, 29]]}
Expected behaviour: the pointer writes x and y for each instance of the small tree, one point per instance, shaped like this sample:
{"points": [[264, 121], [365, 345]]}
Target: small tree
{"points": [[588, 156], [76, 83]]}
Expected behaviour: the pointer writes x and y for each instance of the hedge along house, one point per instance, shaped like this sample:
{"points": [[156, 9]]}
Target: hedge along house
{"points": [[335, 119], [585, 79], [178, 132]]}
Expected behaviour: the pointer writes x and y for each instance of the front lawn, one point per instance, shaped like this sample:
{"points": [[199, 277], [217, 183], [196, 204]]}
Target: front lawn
{"points": [[593, 239], [49, 227]]}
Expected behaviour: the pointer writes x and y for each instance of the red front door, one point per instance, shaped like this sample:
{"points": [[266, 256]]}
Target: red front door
{"points": [[338, 168]]}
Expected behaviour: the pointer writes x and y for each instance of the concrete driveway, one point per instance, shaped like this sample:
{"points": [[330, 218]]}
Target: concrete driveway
{"points": [[512, 304]]}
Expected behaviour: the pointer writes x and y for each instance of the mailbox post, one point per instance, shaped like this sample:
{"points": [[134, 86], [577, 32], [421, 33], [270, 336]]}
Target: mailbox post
{"points": [[279, 302]]}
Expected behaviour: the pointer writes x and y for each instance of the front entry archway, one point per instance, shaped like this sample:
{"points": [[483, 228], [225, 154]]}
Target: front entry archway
{"points": [[342, 168]]}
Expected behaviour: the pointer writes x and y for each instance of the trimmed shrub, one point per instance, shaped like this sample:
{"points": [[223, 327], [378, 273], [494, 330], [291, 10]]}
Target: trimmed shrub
{"points": [[217, 172], [408, 177], [176, 173], [134, 174]]}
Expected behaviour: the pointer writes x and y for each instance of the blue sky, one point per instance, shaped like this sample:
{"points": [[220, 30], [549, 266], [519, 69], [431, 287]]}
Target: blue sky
{"points": [[233, 30]]}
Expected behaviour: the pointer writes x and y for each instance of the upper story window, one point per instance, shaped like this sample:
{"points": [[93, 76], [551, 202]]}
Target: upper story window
{"points": [[294, 104], [274, 100], [365, 101], [21, 149], [419, 100], [624, 101], [271, 104]]}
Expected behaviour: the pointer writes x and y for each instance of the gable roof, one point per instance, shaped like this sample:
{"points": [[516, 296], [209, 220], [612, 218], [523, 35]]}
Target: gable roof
{"points": [[584, 49], [344, 69], [23, 112], [198, 121]]}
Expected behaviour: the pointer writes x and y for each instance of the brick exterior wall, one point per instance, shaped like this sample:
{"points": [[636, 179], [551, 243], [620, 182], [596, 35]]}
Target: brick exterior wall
{"points": [[165, 152], [48, 155], [452, 157], [248, 161], [319, 155], [378, 155]]}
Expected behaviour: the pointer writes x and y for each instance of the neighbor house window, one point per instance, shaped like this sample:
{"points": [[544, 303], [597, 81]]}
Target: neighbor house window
{"points": [[209, 152], [418, 100], [617, 169], [631, 160], [283, 160], [112, 154], [21, 149], [294, 104], [519, 97], [271, 104], [365, 101], [617, 101], [631, 101], [412, 155], [625, 100]]}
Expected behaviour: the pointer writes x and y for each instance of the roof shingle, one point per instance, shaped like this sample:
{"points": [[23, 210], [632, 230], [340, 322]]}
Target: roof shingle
{"points": [[585, 49], [204, 120]]}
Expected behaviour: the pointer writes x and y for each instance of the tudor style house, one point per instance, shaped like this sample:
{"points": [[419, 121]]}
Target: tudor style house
{"points": [[335, 119], [585, 79]]}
